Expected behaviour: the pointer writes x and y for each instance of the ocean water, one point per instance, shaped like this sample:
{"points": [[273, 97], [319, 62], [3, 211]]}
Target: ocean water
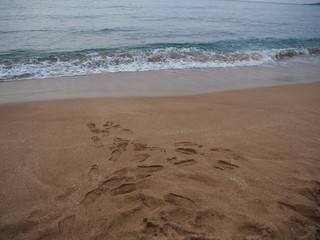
{"points": [[53, 38]]}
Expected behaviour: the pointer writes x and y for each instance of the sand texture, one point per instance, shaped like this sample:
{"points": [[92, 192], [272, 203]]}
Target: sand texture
{"points": [[232, 165]]}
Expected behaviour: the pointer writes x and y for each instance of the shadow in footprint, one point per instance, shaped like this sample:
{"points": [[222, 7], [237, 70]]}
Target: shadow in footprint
{"points": [[140, 157]]}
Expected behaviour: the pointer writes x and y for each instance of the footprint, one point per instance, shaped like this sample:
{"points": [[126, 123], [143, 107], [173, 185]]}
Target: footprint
{"points": [[178, 200], [66, 194], [150, 227], [172, 159], [91, 125], [66, 225], [120, 144], [111, 183], [94, 173], [150, 201], [95, 130], [312, 194], [150, 168], [108, 124], [127, 131], [188, 151], [105, 133], [306, 211], [123, 189], [104, 188], [115, 155], [224, 153], [208, 217], [91, 196], [187, 144], [185, 162], [97, 141], [256, 231], [141, 157], [141, 147], [223, 165]]}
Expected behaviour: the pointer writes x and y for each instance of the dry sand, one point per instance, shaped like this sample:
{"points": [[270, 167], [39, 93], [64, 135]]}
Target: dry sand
{"points": [[231, 165]]}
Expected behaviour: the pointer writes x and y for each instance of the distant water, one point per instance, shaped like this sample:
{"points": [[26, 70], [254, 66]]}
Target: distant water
{"points": [[53, 38]]}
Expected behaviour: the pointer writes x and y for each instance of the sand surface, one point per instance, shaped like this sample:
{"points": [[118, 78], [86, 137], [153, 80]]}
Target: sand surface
{"points": [[231, 165]]}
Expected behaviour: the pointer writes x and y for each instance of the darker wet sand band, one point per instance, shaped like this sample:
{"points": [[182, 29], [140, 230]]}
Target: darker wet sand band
{"points": [[158, 83]]}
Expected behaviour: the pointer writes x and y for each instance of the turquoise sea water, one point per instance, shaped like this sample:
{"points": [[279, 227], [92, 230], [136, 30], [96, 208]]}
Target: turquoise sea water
{"points": [[52, 38]]}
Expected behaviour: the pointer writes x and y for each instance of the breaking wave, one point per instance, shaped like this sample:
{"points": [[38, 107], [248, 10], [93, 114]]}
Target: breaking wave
{"points": [[28, 65]]}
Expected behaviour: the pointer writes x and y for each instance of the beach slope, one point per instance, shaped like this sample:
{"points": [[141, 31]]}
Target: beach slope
{"points": [[229, 165]]}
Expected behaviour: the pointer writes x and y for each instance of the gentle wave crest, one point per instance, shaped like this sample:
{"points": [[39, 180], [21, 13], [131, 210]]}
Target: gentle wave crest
{"points": [[145, 58]]}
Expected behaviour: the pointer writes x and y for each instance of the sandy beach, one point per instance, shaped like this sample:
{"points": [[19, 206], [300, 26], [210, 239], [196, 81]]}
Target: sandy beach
{"points": [[230, 165]]}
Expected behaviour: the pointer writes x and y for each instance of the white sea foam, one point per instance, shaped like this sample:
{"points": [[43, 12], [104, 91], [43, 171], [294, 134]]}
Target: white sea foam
{"points": [[132, 61]]}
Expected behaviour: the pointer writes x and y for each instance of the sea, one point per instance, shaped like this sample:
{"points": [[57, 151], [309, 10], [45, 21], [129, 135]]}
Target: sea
{"points": [[55, 38]]}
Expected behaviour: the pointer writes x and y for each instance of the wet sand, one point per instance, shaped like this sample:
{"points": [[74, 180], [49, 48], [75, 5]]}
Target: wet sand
{"points": [[234, 165], [159, 83]]}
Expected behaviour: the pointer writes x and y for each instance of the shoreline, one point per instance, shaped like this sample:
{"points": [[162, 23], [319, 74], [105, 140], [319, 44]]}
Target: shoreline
{"points": [[158, 83]]}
